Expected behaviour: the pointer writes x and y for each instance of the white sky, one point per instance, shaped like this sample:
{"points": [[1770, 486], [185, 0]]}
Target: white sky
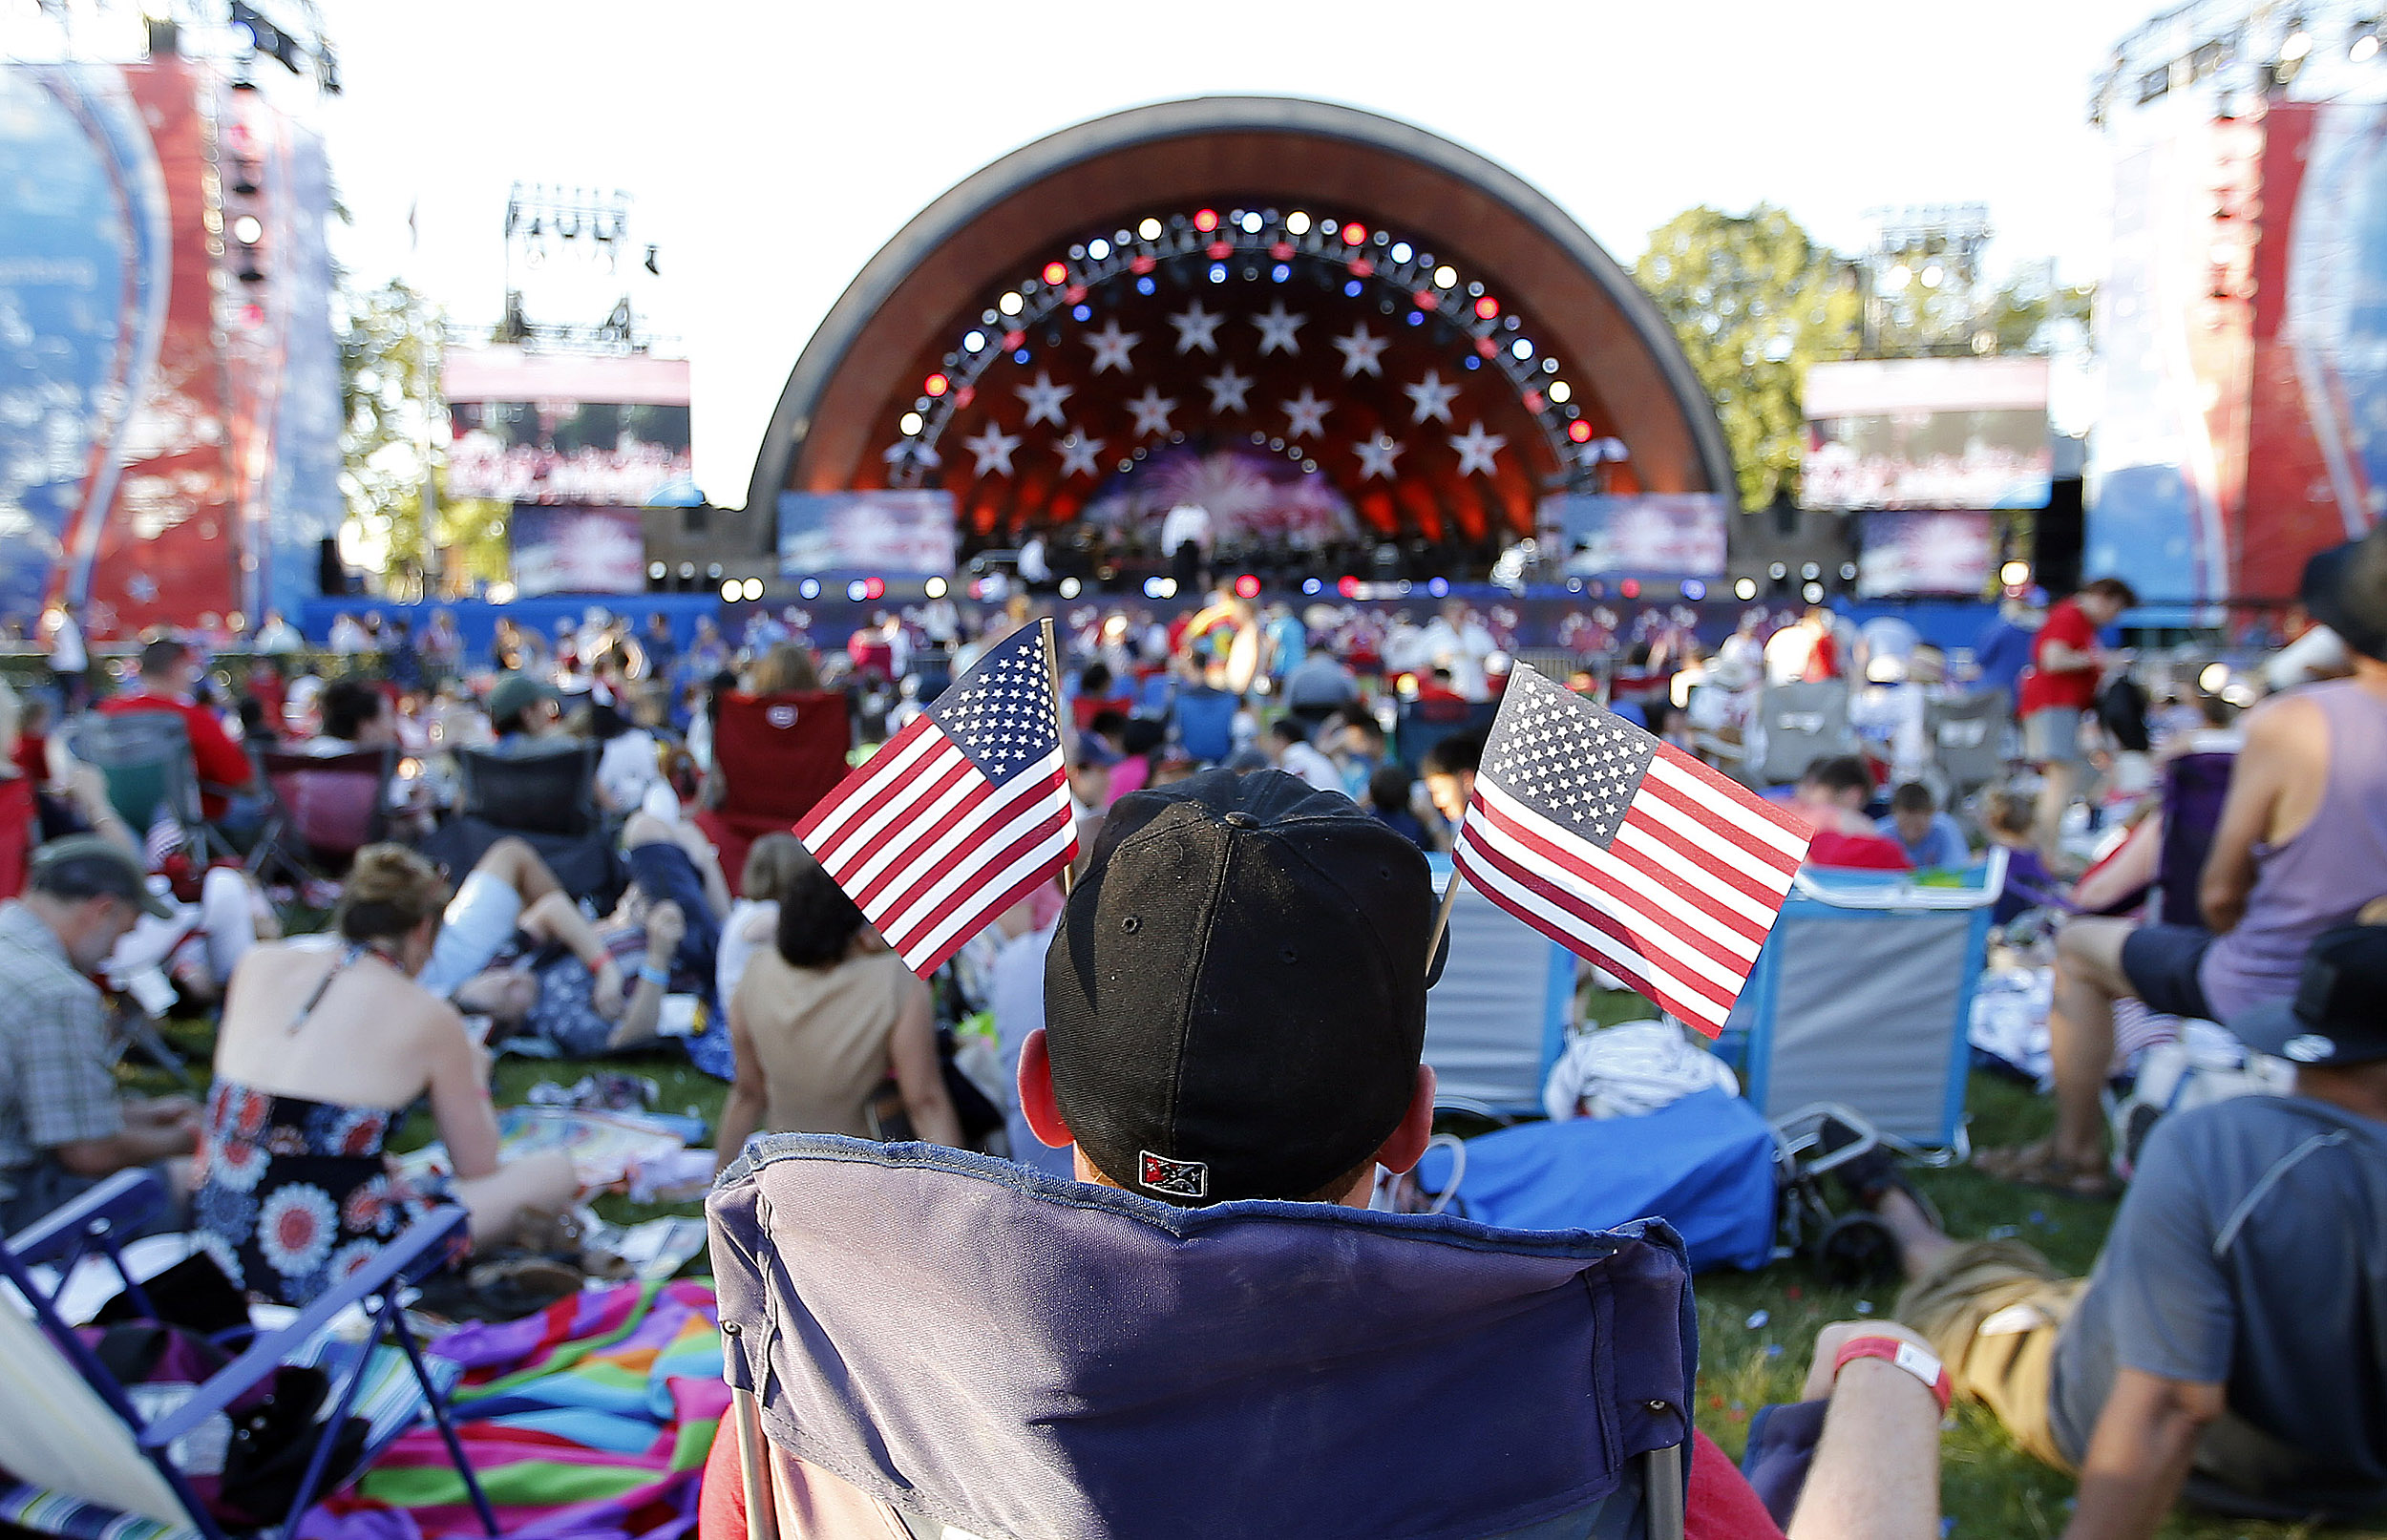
{"points": [[772, 147]]}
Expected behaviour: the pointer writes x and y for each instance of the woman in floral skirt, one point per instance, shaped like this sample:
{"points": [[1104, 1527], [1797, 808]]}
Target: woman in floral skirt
{"points": [[326, 1041]]}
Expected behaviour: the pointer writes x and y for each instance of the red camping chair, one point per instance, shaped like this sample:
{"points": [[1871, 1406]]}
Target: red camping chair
{"points": [[773, 757], [333, 802], [18, 832]]}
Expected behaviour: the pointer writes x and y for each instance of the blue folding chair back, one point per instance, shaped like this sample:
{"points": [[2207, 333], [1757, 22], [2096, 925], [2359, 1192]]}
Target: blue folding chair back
{"points": [[89, 1463], [1497, 1018], [961, 1343]]}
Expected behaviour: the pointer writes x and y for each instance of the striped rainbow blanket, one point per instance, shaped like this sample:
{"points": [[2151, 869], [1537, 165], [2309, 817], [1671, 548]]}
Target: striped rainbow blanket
{"points": [[590, 1419]]}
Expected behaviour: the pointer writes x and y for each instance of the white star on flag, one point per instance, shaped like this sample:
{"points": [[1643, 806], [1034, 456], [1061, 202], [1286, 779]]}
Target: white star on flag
{"points": [[1227, 389], [1110, 347], [1375, 457], [993, 448], [1476, 448], [1429, 397], [1277, 328], [1196, 329], [1151, 410], [1077, 454], [1308, 413], [1044, 399], [1360, 352]]}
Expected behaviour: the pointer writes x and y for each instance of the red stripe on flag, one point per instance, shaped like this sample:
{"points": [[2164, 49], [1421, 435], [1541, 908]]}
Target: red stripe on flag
{"points": [[847, 792], [1713, 821], [912, 927], [1724, 789], [923, 867], [1719, 871], [903, 835], [891, 804]]}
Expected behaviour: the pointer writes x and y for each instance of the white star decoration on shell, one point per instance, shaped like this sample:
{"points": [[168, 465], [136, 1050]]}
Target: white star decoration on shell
{"points": [[1151, 410], [1228, 388], [1078, 454], [1362, 352], [1196, 328], [1476, 448], [993, 449], [1429, 397], [1375, 457], [1307, 412], [1110, 347], [912, 450], [1044, 399], [1276, 330]]}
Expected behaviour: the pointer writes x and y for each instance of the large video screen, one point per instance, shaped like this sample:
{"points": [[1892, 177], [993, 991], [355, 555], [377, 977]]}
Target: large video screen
{"points": [[1924, 553], [1928, 433], [563, 428], [570, 548], [1651, 535], [881, 533]]}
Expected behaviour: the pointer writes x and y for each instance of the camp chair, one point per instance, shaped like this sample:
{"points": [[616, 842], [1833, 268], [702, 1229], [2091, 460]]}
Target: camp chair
{"points": [[325, 808], [1862, 997], [1423, 724], [1804, 722], [110, 1470], [1497, 1019], [1966, 735], [775, 756], [546, 797], [1020, 1355], [2195, 786], [145, 759]]}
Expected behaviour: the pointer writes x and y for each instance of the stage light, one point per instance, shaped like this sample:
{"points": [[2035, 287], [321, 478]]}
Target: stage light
{"points": [[1405, 686], [808, 588], [1297, 223], [1082, 312], [1055, 273], [656, 571], [1168, 589], [1932, 274], [855, 591], [713, 572], [1848, 571], [1206, 221], [1250, 224], [1010, 303], [1438, 586], [1247, 586], [729, 591], [935, 384], [1401, 251], [1348, 588], [1694, 590], [1487, 307], [2214, 678], [248, 230], [688, 571], [1812, 593], [1579, 430], [1354, 232], [1218, 272], [1560, 391], [1149, 229], [911, 422], [1630, 588], [1351, 289], [873, 588], [1152, 588], [1778, 572], [1279, 273], [1744, 588], [2014, 574], [1069, 588], [1810, 572], [1311, 585], [1143, 285], [1446, 276], [1520, 348], [752, 587], [936, 587]]}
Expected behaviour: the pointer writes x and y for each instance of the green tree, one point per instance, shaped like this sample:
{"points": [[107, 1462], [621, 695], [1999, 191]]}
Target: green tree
{"points": [[1754, 302], [392, 417]]}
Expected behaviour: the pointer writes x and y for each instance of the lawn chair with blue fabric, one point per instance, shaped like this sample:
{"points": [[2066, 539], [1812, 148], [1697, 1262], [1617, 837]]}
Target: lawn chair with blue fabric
{"points": [[90, 1458]]}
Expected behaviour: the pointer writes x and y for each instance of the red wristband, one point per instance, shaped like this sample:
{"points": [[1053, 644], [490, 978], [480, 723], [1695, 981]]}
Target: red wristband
{"points": [[1917, 1362]]}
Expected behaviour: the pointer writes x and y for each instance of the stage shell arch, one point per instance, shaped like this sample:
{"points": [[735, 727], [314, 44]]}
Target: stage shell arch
{"points": [[1396, 332]]}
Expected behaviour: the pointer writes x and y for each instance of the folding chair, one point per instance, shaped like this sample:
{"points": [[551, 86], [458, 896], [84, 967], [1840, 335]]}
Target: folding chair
{"points": [[547, 799], [1423, 724], [775, 756], [145, 759], [1497, 1019], [1802, 723], [110, 1470], [325, 808], [2195, 786], [1967, 734], [972, 1366]]}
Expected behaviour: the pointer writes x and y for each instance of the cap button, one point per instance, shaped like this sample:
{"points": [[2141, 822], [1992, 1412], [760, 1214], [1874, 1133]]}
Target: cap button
{"points": [[1240, 820]]}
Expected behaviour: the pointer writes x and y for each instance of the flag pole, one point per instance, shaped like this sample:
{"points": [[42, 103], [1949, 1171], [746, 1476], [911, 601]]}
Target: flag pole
{"points": [[1061, 729], [1442, 915]]}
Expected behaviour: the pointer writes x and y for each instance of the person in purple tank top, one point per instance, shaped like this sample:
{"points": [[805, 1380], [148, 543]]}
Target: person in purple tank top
{"points": [[2302, 845]]}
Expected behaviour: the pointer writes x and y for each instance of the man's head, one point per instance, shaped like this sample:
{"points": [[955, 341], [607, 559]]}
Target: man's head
{"points": [[89, 892], [519, 704], [1090, 769], [2335, 1027], [359, 713], [1363, 735], [2345, 588], [169, 668], [1449, 772], [1836, 781], [1912, 808], [1282, 734], [1235, 1002], [2105, 600]]}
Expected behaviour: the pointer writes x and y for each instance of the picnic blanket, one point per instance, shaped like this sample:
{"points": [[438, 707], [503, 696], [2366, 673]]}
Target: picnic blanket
{"points": [[590, 1419]]}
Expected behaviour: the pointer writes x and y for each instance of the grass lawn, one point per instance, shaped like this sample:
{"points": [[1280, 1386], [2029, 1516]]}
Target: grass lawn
{"points": [[1988, 1488]]}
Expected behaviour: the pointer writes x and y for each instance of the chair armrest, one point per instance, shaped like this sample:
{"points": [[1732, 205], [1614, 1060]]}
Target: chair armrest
{"points": [[411, 1254], [127, 1196]]}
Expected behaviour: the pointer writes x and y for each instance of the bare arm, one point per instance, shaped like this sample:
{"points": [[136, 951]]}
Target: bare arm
{"points": [[556, 917], [2140, 1455], [460, 1097], [743, 1112], [2255, 785], [1876, 1470], [663, 930], [919, 1074], [137, 1143]]}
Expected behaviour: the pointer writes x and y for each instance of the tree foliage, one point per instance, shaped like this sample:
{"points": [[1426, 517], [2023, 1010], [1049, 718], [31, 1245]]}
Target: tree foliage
{"points": [[1754, 302]]}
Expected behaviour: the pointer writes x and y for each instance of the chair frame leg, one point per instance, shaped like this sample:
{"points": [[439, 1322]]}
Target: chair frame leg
{"points": [[395, 1319]]}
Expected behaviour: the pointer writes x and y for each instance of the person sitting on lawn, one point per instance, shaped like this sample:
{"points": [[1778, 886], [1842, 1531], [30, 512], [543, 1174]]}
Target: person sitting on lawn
{"points": [[2228, 1345], [771, 865], [1929, 837], [170, 674], [322, 1050], [2301, 846]]}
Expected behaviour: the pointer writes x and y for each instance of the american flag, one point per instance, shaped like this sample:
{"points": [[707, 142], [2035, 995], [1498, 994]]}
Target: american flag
{"points": [[961, 814], [1626, 850]]}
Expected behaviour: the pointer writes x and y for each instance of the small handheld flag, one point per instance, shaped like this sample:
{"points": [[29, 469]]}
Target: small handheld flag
{"points": [[961, 814], [1626, 850]]}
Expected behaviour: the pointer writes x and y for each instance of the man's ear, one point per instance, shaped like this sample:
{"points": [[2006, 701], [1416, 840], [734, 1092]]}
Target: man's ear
{"points": [[1408, 1145], [1037, 1103]]}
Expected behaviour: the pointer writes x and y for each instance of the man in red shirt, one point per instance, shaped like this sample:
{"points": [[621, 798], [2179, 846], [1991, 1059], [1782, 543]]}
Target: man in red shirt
{"points": [[169, 677], [1832, 796], [2060, 684]]}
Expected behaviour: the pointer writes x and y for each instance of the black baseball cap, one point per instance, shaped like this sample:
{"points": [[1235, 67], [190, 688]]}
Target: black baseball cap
{"points": [[2339, 1013], [1235, 1003], [2345, 588]]}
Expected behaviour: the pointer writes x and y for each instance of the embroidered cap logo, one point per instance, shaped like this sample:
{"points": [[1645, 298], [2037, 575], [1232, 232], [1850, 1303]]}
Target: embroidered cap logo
{"points": [[1178, 1178]]}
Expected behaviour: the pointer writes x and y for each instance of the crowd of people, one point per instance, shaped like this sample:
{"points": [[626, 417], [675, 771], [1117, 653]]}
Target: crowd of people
{"points": [[2183, 1364]]}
